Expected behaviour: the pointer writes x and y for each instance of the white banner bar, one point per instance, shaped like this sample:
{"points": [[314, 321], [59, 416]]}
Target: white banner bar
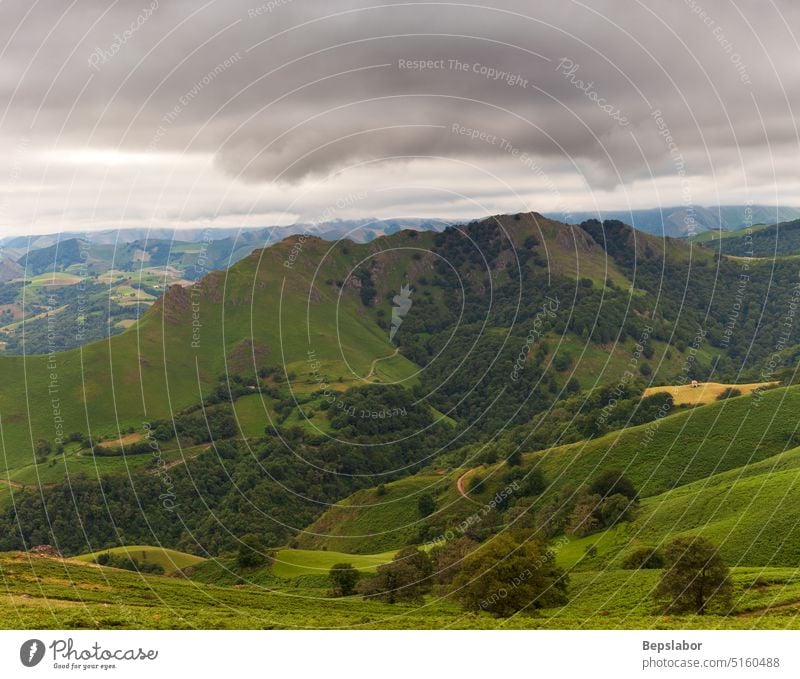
{"points": [[399, 654]]}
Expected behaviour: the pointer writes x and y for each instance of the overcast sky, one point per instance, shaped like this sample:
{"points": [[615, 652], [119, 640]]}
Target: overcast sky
{"points": [[236, 113]]}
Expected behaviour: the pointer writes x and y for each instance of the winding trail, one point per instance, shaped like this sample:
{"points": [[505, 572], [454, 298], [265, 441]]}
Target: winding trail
{"points": [[460, 486], [381, 358]]}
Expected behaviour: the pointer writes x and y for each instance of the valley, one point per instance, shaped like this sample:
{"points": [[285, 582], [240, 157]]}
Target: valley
{"points": [[253, 429]]}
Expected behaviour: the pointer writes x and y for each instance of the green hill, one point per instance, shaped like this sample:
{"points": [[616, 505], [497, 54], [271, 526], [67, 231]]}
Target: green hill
{"points": [[168, 559], [764, 241], [700, 447]]}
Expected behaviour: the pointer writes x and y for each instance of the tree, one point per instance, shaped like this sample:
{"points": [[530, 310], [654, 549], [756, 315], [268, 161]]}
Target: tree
{"points": [[585, 518], [611, 482], [447, 558], [515, 458], [406, 577], [43, 449], [695, 577], [343, 579], [251, 552], [643, 557], [426, 505], [615, 508], [509, 574]]}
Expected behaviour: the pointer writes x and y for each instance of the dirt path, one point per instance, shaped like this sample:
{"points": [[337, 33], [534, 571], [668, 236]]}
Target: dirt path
{"points": [[381, 358], [756, 612], [175, 463], [27, 486], [460, 486]]}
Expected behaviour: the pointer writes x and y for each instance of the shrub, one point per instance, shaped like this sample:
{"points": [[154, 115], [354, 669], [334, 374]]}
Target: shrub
{"points": [[343, 579], [643, 557], [510, 574], [729, 392]]}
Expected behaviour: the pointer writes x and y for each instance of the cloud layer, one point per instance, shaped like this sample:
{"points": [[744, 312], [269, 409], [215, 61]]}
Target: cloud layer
{"points": [[247, 113]]}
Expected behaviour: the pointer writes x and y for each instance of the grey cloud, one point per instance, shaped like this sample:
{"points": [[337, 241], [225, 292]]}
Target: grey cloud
{"points": [[312, 88]]}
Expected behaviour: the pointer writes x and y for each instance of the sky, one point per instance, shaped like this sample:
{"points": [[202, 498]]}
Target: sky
{"points": [[245, 113]]}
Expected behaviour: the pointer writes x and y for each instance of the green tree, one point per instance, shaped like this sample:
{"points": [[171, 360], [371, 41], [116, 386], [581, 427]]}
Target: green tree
{"points": [[611, 482], [426, 505], [406, 577], [447, 558], [343, 579], [515, 458], [615, 508], [251, 552], [695, 577], [585, 517], [43, 449], [509, 574]]}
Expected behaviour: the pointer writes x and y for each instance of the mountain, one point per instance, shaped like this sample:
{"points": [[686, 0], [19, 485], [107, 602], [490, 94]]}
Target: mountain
{"points": [[776, 240], [274, 389], [9, 270], [682, 221], [365, 228]]}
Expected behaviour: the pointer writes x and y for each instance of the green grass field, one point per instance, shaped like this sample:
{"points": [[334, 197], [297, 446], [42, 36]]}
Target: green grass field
{"points": [[292, 563], [169, 559], [43, 593], [368, 522]]}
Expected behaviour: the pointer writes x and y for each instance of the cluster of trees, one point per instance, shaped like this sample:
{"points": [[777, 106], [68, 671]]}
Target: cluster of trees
{"points": [[515, 572], [194, 426], [262, 488], [610, 498], [705, 291], [509, 573], [378, 412], [128, 562], [782, 239]]}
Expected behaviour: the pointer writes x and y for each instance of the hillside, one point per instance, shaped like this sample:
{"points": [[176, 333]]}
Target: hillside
{"points": [[285, 384], [681, 221], [776, 240], [699, 446]]}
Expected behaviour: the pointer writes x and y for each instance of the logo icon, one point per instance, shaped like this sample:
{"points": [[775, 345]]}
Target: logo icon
{"points": [[402, 304], [31, 652]]}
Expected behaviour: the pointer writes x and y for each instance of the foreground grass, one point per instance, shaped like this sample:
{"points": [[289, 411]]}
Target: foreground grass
{"points": [[43, 593]]}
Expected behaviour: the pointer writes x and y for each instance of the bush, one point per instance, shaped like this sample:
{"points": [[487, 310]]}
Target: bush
{"points": [[510, 574], [729, 392], [343, 579], [426, 505], [643, 557], [406, 577], [128, 563], [252, 553]]}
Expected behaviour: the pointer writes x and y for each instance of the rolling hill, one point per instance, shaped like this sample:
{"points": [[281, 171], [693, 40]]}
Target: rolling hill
{"points": [[265, 377]]}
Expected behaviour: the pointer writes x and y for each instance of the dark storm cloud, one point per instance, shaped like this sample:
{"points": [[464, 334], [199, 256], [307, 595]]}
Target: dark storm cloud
{"points": [[290, 90]]}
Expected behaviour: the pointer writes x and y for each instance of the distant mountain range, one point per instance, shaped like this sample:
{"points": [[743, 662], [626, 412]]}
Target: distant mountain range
{"points": [[359, 230], [681, 222]]}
